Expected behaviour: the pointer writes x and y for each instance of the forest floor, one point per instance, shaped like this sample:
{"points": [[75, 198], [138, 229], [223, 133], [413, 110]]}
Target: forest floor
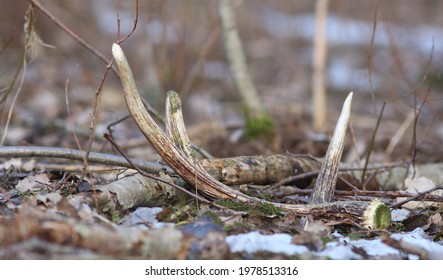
{"points": [[48, 212]]}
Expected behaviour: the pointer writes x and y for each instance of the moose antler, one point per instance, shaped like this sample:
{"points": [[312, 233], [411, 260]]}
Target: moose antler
{"points": [[177, 153]]}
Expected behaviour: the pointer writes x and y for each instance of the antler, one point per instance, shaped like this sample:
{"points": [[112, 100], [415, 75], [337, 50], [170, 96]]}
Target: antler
{"points": [[178, 155]]}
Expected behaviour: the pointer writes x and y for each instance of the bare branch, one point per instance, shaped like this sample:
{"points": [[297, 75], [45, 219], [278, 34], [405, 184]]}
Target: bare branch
{"points": [[99, 158]]}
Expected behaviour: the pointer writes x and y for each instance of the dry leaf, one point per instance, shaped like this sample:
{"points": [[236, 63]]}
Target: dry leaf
{"points": [[15, 163], [419, 185], [33, 183]]}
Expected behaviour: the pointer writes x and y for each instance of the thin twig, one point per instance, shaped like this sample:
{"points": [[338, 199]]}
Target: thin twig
{"points": [[77, 142], [399, 133], [371, 145], [71, 33], [292, 179], [98, 91], [94, 115], [110, 126], [370, 194], [370, 54], [154, 177], [23, 66], [14, 79], [192, 74], [417, 111], [159, 179], [415, 197], [133, 27], [5, 46]]}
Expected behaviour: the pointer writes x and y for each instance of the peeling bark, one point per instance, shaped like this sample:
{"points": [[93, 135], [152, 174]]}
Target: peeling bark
{"points": [[129, 192]]}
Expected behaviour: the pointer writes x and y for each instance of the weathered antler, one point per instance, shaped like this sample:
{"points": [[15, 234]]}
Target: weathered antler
{"points": [[179, 157], [327, 178], [162, 144]]}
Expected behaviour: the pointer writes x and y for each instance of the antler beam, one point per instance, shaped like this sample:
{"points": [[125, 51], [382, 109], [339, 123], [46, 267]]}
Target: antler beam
{"points": [[177, 155]]}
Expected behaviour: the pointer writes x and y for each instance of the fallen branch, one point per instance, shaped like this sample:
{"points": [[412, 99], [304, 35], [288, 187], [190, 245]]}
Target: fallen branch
{"points": [[129, 192], [362, 194], [281, 169], [262, 170], [231, 171], [99, 158]]}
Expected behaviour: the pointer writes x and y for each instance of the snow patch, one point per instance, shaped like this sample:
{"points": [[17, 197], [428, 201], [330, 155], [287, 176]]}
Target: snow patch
{"points": [[254, 241]]}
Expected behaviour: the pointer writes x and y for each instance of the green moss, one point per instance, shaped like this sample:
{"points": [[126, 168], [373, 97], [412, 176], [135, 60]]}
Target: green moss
{"points": [[357, 235], [214, 215], [262, 208], [116, 216], [24, 193], [179, 214], [267, 196], [326, 239], [66, 192], [259, 126], [235, 205], [239, 227], [269, 210], [397, 227]]}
